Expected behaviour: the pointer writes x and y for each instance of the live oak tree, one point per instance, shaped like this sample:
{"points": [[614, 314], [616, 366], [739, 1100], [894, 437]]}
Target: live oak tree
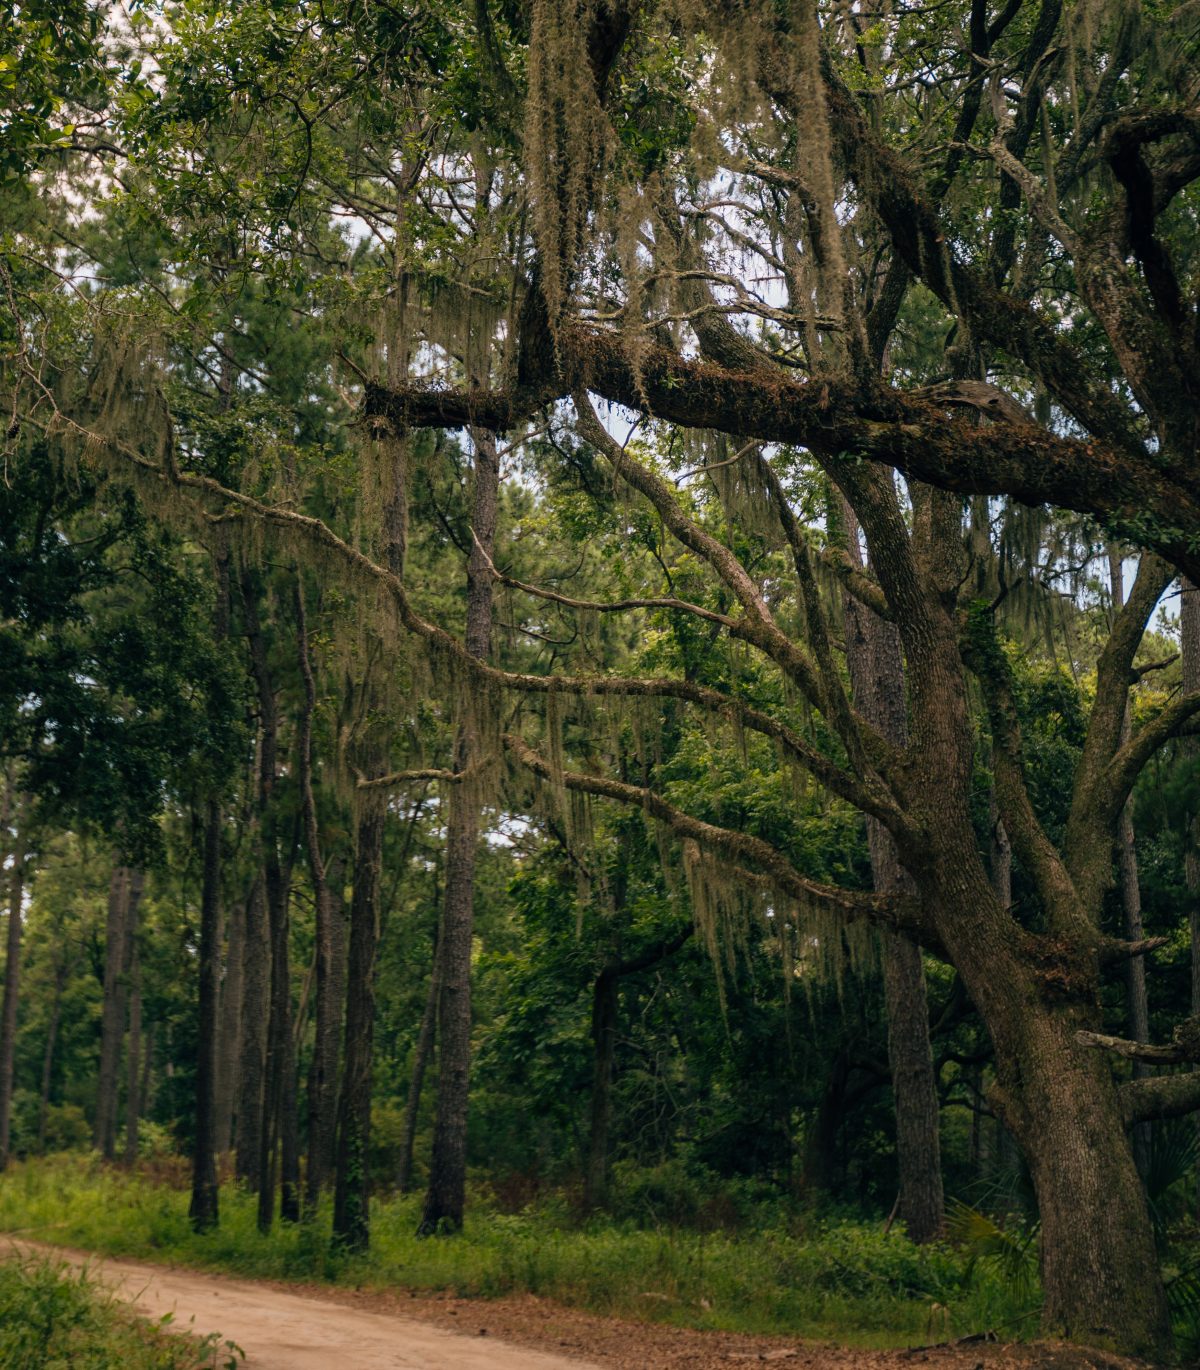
{"points": [[1019, 183]]}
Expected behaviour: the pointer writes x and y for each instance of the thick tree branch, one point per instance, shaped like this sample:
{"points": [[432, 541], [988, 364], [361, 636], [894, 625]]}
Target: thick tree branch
{"points": [[1160, 1096], [982, 653], [1113, 478], [1093, 812], [1129, 762]]}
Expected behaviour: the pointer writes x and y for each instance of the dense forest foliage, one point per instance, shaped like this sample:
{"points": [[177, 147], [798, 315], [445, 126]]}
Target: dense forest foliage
{"points": [[596, 600]]}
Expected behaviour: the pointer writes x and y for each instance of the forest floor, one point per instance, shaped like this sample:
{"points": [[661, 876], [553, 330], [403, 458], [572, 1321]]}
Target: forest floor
{"points": [[299, 1327]]}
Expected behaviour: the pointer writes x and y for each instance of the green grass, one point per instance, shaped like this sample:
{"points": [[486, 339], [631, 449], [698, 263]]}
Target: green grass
{"points": [[839, 1281], [55, 1318]]}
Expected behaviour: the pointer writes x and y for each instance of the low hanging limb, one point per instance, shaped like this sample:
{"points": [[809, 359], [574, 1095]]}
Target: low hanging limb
{"points": [[898, 911]]}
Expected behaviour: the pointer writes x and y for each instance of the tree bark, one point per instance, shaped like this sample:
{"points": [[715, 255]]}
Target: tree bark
{"points": [[257, 1083], [60, 980], [146, 1092], [421, 1055], [1099, 1265], [446, 1194], [352, 1188], [133, 1059], [12, 980], [1189, 646], [204, 1209], [1131, 899], [876, 665], [123, 897], [322, 1075], [351, 1216], [278, 1139], [230, 1029], [605, 1005]]}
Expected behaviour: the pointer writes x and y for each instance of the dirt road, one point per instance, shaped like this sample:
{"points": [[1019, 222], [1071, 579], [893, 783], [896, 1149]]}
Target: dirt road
{"points": [[308, 1327], [282, 1331]]}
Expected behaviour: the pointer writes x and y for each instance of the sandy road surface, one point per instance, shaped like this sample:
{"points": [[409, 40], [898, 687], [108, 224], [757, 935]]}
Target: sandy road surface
{"points": [[303, 1327], [280, 1331]]}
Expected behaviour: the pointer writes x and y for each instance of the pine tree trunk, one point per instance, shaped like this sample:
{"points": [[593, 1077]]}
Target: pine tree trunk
{"points": [[124, 895], [146, 1092], [605, 1003], [230, 1029], [322, 1075], [445, 1197], [421, 1056], [133, 1065], [279, 1140], [351, 1219], [352, 1181], [12, 980], [204, 1209], [253, 1053], [60, 980], [259, 1069], [113, 1008], [289, 1137]]}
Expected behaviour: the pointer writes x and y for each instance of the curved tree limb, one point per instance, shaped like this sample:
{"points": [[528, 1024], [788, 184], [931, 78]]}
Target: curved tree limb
{"points": [[895, 910]]}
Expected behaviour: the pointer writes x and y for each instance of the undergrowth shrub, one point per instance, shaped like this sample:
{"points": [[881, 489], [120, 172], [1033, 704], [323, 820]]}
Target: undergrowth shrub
{"points": [[55, 1318]]}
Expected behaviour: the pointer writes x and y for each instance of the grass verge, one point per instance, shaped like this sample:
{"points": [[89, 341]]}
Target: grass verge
{"points": [[54, 1318], [848, 1282]]}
